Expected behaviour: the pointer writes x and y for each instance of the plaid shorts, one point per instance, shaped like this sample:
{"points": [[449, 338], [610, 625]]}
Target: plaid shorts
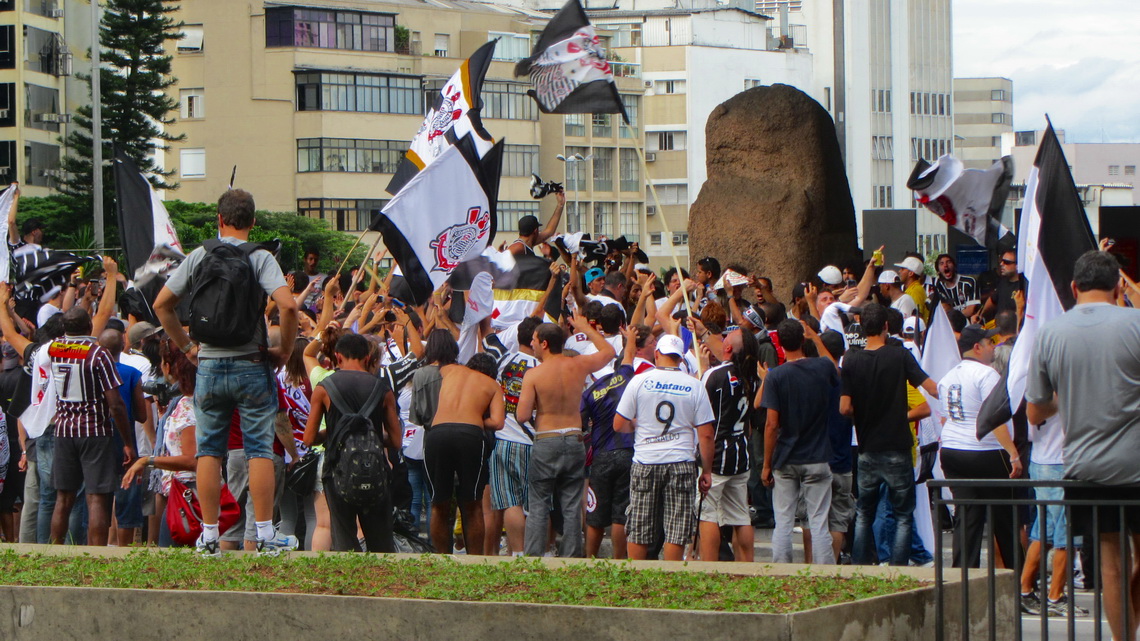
{"points": [[510, 462], [662, 496]]}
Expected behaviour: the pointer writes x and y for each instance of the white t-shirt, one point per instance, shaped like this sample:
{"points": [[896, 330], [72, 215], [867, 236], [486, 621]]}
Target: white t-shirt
{"points": [[906, 305], [582, 344], [666, 406], [40, 413], [47, 310], [1048, 441], [962, 391]]}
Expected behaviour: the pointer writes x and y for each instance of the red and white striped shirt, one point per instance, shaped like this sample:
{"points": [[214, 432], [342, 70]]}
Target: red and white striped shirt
{"points": [[82, 372]]}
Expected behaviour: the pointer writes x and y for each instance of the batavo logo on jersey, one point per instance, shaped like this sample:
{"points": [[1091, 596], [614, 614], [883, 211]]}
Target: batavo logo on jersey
{"points": [[662, 387], [617, 380], [64, 349]]}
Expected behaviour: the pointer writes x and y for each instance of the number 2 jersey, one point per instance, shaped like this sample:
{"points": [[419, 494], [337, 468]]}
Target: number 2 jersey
{"points": [[666, 405], [732, 407]]}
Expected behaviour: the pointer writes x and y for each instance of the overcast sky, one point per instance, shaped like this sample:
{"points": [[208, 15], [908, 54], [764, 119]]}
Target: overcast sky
{"points": [[1077, 60]]}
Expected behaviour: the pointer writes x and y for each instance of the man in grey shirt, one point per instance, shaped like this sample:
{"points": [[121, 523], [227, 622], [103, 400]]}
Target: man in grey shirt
{"points": [[1086, 367], [232, 378]]}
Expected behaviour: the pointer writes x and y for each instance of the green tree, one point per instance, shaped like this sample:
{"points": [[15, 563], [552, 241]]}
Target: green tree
{"points": [[134, 77]]}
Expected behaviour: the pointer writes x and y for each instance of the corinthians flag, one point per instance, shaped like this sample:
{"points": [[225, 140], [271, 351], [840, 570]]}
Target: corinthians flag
{"points": [[970, 200], [150, 244], [454, 115], [443, 216], [568, 68], [1052, 234]]}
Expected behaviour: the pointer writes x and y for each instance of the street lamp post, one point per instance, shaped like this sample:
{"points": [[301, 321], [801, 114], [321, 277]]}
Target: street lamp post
{"points": [[576, 158]]}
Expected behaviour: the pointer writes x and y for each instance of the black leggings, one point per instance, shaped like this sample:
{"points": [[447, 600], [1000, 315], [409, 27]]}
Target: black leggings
{"points": [[984, 464]]}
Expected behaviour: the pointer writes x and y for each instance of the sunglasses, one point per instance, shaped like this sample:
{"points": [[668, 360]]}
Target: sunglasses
{"points": [[1008, 262]]}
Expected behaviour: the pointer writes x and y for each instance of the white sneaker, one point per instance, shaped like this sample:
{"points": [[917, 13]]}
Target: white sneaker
{"points": [[277, 544]]}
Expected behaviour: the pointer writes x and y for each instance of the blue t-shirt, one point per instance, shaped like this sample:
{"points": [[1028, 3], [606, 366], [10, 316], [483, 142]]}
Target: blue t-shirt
{"points": [[801, 391], [839, 427], [599, 405], [131, 377]]}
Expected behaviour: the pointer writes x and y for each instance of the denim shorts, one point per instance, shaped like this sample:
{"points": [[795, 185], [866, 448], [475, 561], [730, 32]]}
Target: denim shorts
{"points": [[1056, 526], [223, 385]]}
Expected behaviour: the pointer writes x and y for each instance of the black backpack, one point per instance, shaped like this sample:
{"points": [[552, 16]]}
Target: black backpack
{"points": [[356, 450], [226, 299]]}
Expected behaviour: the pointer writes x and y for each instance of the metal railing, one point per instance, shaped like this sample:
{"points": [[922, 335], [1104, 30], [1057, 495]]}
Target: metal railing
{"points": [[1038, 507]]}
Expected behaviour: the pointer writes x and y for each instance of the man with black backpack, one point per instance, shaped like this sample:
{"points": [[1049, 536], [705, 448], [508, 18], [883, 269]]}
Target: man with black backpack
{"points": [[227, 280], [354, 405]]}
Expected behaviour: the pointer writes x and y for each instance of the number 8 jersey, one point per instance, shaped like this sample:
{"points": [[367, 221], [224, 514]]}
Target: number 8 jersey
{"points": [[666, 406]]}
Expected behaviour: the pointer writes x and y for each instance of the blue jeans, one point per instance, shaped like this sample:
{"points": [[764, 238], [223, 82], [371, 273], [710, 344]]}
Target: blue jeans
{"points": [[896, 471], [45, 457], [421, 493], [885, 529], [224, 385]]}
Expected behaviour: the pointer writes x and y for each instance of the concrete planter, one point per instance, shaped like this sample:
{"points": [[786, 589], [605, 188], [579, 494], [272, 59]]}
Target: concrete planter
{"points": [[55, 614]]}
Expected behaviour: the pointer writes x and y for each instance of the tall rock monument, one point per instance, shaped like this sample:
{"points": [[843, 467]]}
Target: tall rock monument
{"points": [[776, 199]]}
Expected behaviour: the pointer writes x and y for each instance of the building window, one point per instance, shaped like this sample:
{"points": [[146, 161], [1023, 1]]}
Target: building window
{"points": [[575, 124], [47, 8], [520, 160], [7, 160], [342, 214], [441, 42], [193, 163], [576, 169], [665, 141], [1025, 138], [655, 238], [677, 194], [752, 83], [882, 148], [883, 197], [629, 221], [508, 101], [7, 46], [8, 104], [1129, 170], [603, 220], [42, 110], [510, 211], [329, 29], [997, 119], [371, 93], [42, 164], [632, 106], [193, 36], [45, 51], [995, 141], [602, 126], [1114, 170], [669, 86], [193, 102], [603, 169], [997, 94], [680, 238], [349, 155], [575, 214], [881, 100], [629, 170], [7, 5], [512, 47]]}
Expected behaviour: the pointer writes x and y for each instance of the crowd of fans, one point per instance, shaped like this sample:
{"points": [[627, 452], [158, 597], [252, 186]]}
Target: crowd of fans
{"points": [[674, 412]]}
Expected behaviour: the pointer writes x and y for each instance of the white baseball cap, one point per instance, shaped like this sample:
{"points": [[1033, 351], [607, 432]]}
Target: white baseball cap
{"points": [[911, 263], [670, 344], [913, 324], [889, 277], [831, 275]]}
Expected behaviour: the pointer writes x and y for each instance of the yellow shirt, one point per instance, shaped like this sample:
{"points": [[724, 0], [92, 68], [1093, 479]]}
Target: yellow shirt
{"points": [[917, 292]]}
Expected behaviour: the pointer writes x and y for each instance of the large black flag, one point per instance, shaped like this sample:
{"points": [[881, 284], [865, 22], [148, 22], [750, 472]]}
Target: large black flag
{"points": [[1053, 233], [150, 244], [568, 68]]}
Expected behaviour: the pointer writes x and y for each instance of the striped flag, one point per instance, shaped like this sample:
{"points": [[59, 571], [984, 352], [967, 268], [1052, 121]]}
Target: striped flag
{"points": [[1052, 234], [453, 116], [150, 244], [41, 273]]}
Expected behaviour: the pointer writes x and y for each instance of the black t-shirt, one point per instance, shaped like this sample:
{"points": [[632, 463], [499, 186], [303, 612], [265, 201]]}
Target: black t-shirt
{"points": [[801, 392], [876, 382], [732, 406], [354, 388], [1003, 293]]}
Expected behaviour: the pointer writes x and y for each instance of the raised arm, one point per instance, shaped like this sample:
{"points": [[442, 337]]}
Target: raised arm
{"points": [[107, 300], [605, 354], [552, 225], [14, 337], [863, 289], [13, 231]]}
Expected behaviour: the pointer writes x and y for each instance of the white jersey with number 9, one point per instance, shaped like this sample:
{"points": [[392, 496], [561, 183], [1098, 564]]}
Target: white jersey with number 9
{"points": [[666, 406]]}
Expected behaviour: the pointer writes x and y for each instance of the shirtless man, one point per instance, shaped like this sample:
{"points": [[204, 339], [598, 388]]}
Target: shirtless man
{"points": [[530, 235], [469, 403], [553, 391]]}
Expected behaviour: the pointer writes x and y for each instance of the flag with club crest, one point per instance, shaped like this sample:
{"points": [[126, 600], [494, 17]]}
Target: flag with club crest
{"points": [[970, 200]]}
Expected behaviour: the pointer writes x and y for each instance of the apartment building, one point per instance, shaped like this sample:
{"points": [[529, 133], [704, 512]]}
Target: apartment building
{"points": [[35, 62], [983, 111], [315, 103]]}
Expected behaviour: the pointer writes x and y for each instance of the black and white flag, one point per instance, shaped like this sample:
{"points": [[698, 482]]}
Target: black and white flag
{"points": [[970, 200], [41, 273], [7, 199], [454, 114], [1052, 234], [568, 68], [442, 217], [150, 244]]}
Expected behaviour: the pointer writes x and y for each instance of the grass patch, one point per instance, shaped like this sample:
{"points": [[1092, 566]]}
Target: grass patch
{"points": [[439, 578]]}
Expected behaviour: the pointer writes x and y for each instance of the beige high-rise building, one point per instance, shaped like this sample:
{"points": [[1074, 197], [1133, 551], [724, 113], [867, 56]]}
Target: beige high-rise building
{"points": [[983, 111], [35, 62], [315, 106]]}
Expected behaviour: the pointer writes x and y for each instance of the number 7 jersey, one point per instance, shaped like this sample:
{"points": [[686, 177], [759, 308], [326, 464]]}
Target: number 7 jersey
{"points": [[666, 406]]}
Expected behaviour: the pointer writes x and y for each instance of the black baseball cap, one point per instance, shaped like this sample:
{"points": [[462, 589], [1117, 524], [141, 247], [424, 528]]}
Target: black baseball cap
{"points": [[972, 335], [528, 225]]}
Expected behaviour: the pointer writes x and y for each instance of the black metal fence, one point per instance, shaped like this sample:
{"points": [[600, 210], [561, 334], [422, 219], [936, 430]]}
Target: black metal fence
{"points": [[1020, 498]]}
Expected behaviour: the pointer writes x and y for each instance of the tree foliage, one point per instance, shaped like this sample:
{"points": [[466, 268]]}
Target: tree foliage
{"points": [[134, 77]]}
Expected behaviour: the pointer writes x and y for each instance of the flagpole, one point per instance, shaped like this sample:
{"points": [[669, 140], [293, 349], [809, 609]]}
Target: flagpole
{"points": [[352, 249], [359, 271], [669, 234]]}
